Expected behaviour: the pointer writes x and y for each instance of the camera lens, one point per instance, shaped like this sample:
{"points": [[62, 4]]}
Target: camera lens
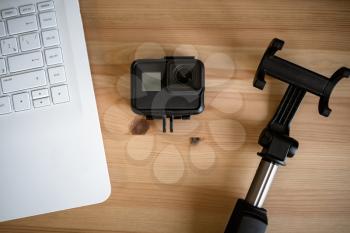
{"points": [[183, 74]]}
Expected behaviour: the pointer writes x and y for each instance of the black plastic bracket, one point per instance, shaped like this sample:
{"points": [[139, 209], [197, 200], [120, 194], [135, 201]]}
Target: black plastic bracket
{"points": [[298, 76], [171, 117], [275, 140]]}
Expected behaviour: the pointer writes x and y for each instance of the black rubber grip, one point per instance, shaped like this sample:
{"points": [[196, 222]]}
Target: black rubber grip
{"points": [[247, 219]]}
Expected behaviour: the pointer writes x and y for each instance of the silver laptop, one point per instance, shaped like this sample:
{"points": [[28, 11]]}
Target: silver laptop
{"points": [[51, 150]]}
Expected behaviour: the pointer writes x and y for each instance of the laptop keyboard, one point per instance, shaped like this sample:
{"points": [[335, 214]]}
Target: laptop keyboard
{"points": [[32, 73]]}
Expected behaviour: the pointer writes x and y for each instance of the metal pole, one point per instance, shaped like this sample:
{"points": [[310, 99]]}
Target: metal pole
{"points": [[261, 183]]}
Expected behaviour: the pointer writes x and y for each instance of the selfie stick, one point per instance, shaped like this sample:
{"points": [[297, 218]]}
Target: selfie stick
{"points": [[248, 215]]}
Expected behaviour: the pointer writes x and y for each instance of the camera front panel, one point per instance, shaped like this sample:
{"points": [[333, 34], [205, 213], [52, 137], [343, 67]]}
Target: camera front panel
{"points": [[158, 89]]}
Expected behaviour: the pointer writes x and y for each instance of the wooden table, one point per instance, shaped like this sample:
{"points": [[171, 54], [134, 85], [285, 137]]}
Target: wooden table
{"points": [[161, 183]]}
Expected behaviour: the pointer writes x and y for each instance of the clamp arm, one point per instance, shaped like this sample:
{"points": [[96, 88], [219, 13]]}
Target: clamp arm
{"points": [[293, 74]]}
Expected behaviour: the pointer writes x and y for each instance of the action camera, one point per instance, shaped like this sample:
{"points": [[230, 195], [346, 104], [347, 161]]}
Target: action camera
{"points": [[172, 87]]}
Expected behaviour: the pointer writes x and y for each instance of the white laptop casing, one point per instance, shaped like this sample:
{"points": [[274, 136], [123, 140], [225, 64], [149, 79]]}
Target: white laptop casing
{"points": [[53, 158]]}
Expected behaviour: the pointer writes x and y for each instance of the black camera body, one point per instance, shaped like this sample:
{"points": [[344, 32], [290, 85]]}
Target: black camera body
{"points": [[172, 87]]}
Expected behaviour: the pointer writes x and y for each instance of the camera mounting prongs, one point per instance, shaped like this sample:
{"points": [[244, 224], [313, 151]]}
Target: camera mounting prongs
{"points": [[275, 140]]}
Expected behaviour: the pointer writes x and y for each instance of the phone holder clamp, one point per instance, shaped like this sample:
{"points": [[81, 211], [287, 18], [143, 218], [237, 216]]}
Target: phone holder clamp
{"points": [[248, 215]]}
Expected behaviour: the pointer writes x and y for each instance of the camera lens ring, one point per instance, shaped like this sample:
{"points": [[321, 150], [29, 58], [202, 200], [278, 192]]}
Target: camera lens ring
{"points": [[183, 74]]}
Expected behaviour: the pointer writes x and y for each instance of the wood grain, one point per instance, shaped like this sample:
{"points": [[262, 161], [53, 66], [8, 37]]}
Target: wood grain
{"points": [[162, 183]]}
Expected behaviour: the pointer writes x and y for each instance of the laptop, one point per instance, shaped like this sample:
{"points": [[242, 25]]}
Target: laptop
{"points": [[51, 150]]}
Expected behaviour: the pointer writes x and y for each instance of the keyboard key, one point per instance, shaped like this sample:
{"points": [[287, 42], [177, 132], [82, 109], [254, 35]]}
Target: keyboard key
{"points": [[43, 6], [5, 105], [39, 103], [23, 81], [9, 46], [37, 94], [9, 13], [60, 94], [21, 102], [51, 38], [48, 20], [25, 62], [30, 42], [2, 29], [22, 24], [2, 66], [57, 75], [53, 56], [27, 9]]}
